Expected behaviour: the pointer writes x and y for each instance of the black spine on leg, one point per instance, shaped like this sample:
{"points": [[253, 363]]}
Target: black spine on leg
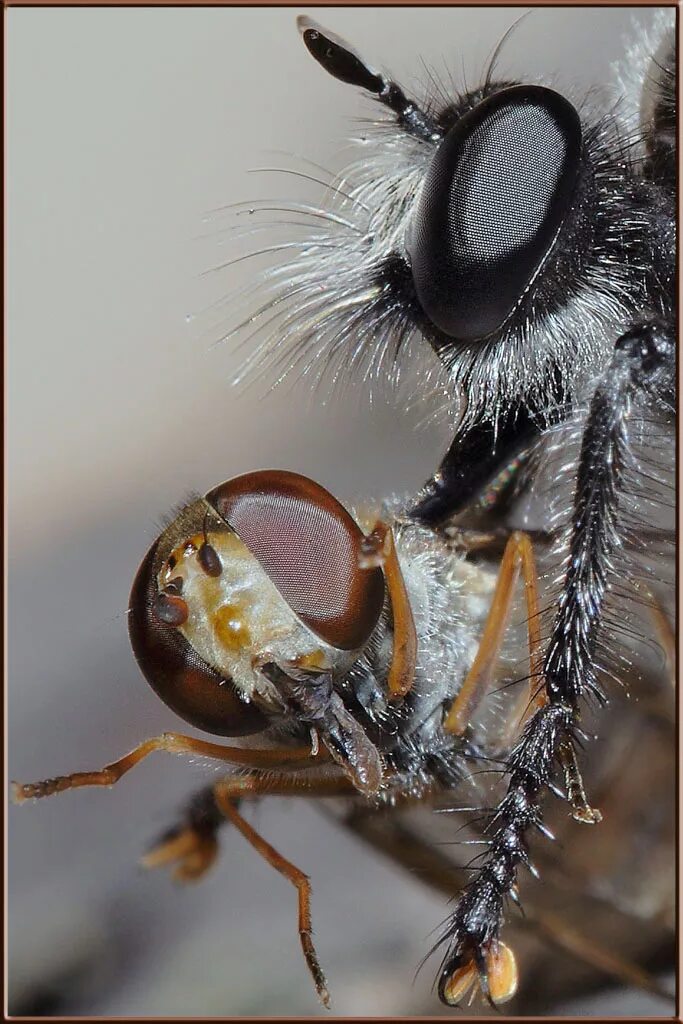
{"points": [[643, 363]]}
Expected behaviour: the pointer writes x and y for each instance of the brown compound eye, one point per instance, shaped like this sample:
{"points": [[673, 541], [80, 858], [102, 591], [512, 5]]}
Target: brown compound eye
{"points": [[310, 547], [174, 670]]}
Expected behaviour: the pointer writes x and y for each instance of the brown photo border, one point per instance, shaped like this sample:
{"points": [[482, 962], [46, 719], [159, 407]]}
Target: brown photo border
{"points": [[679, 554]]}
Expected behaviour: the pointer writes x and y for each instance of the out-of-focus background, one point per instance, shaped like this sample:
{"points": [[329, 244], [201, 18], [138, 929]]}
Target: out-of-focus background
{"points": [[125, 129]]}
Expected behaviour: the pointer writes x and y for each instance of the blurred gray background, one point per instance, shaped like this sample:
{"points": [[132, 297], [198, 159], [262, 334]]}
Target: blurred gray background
{"points": [[125, 128]]}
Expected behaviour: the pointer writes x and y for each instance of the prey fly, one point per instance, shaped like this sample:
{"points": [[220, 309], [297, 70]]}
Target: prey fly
{"points": [[364, 654]]}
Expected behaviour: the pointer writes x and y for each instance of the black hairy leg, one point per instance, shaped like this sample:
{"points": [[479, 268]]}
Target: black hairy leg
{"points": [[480, 453], [473, 460], [475, 457], [402, 844], [643, 364]]}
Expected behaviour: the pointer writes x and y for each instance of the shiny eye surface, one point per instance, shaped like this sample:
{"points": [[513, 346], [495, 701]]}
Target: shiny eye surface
{"points": [[174, 670], [495, 196], [310, 548]]}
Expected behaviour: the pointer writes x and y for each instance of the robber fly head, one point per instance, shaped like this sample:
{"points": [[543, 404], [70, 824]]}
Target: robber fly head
{"points": [[252, 603], [496, 194], [488, 226]]}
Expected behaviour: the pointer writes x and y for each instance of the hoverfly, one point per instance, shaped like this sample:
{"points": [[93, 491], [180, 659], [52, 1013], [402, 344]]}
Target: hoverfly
{"points": [[359, 650]]}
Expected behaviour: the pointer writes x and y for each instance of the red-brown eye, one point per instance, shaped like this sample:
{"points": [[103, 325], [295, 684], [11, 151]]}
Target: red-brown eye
{"points": [[173, 668], [310, 548]]}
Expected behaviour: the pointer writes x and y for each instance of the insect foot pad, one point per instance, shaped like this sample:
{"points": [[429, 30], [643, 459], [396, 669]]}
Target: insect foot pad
{"points": [[501, 977]]}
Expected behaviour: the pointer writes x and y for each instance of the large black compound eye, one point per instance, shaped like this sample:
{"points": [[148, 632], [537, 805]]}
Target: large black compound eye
{"points": [[310, 547], [495, 196]]}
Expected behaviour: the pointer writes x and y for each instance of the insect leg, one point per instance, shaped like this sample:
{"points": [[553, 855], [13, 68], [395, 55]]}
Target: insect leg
{"points": [[405, 846], [517, 557], [576, 793], [293, 874], [379, 548], [173, 743], [643, 362], [477, 455], [192, 845]]}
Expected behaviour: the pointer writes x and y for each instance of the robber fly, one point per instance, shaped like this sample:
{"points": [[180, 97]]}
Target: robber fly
{"points": [[530, 241], [360, 650]]}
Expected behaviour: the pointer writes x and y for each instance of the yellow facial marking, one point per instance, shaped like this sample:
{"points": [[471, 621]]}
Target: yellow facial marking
{"points": [[230, 627]]}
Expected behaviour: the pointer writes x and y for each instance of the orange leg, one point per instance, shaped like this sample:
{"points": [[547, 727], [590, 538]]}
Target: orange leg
{"points": [[191, 847], [379, 549], [517, 557], [174, 743], [239, 787], [290, 872]]}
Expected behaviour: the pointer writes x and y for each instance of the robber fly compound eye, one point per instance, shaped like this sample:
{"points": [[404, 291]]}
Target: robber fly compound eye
{"points": [[493, 201]]}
